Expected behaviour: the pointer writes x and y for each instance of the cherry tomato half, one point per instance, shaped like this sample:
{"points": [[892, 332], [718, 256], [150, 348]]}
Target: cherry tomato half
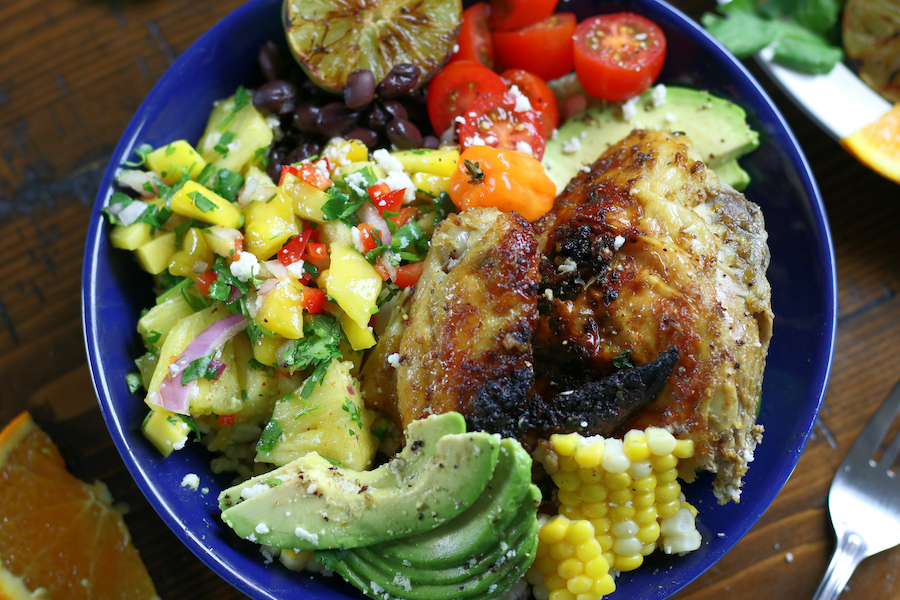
{"points": [[618, 56], [475, 41], [493, 121], [507, 15], [544, 48], [453, 90], [538, 93]]}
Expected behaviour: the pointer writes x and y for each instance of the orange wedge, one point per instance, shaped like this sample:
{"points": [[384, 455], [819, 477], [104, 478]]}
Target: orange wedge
{"points": [[59, 537], [877, 145]]}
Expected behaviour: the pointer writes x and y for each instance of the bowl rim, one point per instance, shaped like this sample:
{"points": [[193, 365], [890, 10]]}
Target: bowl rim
{"points": [[97, 238]]}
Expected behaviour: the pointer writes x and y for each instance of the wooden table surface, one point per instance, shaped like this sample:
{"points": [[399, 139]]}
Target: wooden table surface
{"points": [[72, 72]]}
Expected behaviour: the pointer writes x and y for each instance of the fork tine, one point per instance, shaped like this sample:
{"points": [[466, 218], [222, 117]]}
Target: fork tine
{"points": [[871, 436]]}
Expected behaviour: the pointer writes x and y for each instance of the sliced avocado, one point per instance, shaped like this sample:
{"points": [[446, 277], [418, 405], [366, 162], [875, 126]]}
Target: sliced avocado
{"points": [[732, 174], [717, 127], [480, 554], [312, 504]]}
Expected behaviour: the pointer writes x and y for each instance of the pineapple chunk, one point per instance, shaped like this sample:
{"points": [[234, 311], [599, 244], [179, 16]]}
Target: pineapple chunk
{"points": [[165, 430], [269, 225], [434, 162], [198, 202], [194, 258], [360, 338], [353, 283], [224, 241], [162, 318], [258, 393], [265, 349], [172, 160], [431, 185], [282, 310], [342, 152], [153, 255], [130, 237], [235, 136], [333, 421]]}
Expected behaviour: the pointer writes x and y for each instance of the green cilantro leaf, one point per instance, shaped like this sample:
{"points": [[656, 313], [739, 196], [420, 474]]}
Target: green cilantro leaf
{"points": [[142, 151], [224, 141], [271, 435], [134, 382], [241, 99], [340, 207], [202, 368], [623, 360]]}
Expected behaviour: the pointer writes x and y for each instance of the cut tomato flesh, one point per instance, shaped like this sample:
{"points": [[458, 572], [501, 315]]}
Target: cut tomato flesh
{"points": [[494, 121]]}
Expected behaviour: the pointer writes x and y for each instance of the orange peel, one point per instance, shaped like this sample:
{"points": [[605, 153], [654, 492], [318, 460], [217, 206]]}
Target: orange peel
{"points": [[877, 145]]}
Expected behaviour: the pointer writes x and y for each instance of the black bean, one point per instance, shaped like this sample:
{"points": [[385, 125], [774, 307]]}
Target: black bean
{"points": [[431, 142], [335, 118], [400, 81], [359, 89], [303, 151], [306, 117], [382, 113], [404, 134], [277, 158], [271, 61], [366, 136], [277, 97], [311, 91]]}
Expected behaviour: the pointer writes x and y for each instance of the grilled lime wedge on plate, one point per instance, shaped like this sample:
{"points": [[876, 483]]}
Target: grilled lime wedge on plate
{"points": [[332, 38]]}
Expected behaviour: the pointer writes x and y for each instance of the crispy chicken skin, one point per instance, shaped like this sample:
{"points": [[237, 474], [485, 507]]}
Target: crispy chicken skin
{"points": [[646, 252], [465, 336]]}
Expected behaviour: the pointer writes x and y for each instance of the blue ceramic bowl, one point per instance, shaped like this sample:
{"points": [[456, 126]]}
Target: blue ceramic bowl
{"points": [[802, 274]]}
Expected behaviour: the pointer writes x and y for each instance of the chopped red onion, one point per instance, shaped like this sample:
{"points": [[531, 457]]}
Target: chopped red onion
{"points": [[369, 214]]}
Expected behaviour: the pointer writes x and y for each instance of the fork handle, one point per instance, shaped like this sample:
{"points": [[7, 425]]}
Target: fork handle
{"points": [[851, 550]]}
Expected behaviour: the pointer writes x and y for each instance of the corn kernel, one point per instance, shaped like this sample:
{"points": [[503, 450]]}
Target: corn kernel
{"points": [[601, 525], [579, 532], [554, 582], [621, 497], [540, 592], [645, 484], [610, 557], [668, 492], [589, 550], [646, 516], [589, 456], [620, 513], [684, 449], [604, 586], [595, 510], [573, 513], [629, 563], [593, 493], [618, 481], [688, 506], [614, 459], [645, 500], [554, 530], [640, 469], [667, 509], [569, 568], [567, 481], [589, 595], [661, 442], [534, 577], [635, 445], [562, 550], [565, 445], [597, 568], [568, 464], [580, 584], [649, 533], [567, 498], [648, 549], [664, 463], [545, 565], [591, 476], [606, 542], [668, 476], [562, 594]]}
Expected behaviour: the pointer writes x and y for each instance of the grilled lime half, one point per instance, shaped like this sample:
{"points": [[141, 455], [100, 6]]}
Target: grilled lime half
{"points": [[332, 38]]}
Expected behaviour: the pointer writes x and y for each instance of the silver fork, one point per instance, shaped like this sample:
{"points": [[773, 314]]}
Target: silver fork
{"points": [[864, 500]]}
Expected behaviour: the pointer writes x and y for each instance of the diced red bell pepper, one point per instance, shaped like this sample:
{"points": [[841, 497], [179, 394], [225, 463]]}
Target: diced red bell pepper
{"points": [[313, 300], [405, 215], [315, 251], [295, 248], [204, 280], [367, 234], [384, 198], [226, 419], [408, 275], [308, 173]]}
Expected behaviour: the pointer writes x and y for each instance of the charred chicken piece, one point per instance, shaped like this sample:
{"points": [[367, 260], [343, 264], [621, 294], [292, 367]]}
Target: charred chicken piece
{"points": [[464, 337], [646, 252]]}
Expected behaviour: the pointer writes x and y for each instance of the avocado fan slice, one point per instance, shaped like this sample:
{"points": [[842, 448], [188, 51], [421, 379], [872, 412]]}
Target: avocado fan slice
{"points": [[480, 554], [332, 38], [311, 504]]}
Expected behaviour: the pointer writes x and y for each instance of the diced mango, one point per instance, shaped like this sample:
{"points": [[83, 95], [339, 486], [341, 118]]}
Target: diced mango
{"points": [[353, 283], [130, 237], [173, 160], [161, 318], [153, 255], [282, 311], [360, 338], [258, 391], [165, 430], [265, 349], [333, 421], [306, 200], [234, 139], [429, 184], [335, 232], [269, 225], [194, 258], [435, 162], [198, 202], [340, 151], [224, 241]]}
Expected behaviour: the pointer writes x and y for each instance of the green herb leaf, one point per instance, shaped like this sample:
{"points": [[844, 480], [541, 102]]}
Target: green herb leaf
{"points": [[241, 99], [178, 284], [202, 368], [354, 411], [189, 421], [623, 360], [142, 151], [134, 382], [152, 337], [202, 202], [271, 435], [340, 207], [443, 206], [224, 141]]}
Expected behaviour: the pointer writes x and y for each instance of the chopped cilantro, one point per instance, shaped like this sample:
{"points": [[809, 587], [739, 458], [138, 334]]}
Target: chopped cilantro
{"points": [[189, 421], [241, 98], [443, 206], [355, 413], [202, 368], [176, 286], [224, 182], [336, 463], [142, 151], [381, 431], [244, 396], [271, 435], [170, 150], [340, 207], [410, 235], [202, 202], [623, 360], [260, 156], [134, 382], [273, 482], [224, 142], [197, 303], [152, 337]]}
